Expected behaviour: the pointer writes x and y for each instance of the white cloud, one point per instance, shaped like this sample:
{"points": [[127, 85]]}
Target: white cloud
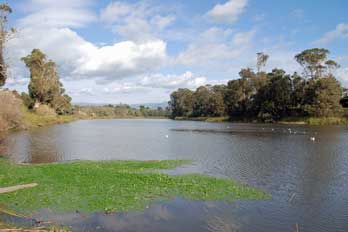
{"points": [[48, 26], [114, 11], [161, 22], [16, 81], [282, 58], [32, 5], [216, 45], [84, 92], [341, 31], [138, 21], [124, 88], [132, 66], [185, 80], [228, 12], [148, 88], [51, 13], [78, 58], [342, 75], [121, 60]]}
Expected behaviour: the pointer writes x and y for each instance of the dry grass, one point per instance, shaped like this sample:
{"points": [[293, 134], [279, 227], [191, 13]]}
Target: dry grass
{"points": [[34, 120], [11, 115], [45, 110]]}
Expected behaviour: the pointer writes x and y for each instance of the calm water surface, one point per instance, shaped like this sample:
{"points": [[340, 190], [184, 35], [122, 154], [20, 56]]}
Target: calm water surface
{"points": [[308, 179]]}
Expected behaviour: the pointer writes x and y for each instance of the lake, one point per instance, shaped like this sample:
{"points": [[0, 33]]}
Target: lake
{"points": [[308, 180]]}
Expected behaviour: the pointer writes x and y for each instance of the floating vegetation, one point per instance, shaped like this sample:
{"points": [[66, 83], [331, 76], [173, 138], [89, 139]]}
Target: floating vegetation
{"points": [[110, 186]]}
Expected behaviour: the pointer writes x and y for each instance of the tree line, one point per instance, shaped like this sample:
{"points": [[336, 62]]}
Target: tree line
{"points": [[120, 111], [268, 96]]}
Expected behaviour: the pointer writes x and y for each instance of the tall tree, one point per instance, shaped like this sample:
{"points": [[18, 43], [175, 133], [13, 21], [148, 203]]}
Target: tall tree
{"points": [[275, 97], [218, 96], [181, 103], [298, 99], [44, 86], [201, 102], [331, 66], [262, 59], [208, 101], [322, 92], [313, 62], [237, 97], [44, 82], [5, 34], [325, 95], [240, 93]]}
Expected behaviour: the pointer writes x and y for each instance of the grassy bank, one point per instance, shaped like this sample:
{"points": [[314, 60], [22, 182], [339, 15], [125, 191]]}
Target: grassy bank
{"points": [[117, 117], [290, 120], [203, 119], [316, 121], [109, 186], [32, 119]]}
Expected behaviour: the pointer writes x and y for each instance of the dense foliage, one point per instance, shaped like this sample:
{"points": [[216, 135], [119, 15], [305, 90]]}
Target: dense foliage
{"points": [[268, 96], [45, 87]]}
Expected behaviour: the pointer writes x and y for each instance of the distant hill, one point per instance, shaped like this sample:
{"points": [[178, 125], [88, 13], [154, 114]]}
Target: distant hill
{"points": [[150, 105]]}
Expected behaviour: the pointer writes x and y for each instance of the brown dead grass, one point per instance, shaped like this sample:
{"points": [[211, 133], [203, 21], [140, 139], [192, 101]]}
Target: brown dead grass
{"points": [[11, 115]]}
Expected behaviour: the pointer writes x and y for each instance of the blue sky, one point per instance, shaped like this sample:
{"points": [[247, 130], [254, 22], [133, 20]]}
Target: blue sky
{"points": [[140, 51]]}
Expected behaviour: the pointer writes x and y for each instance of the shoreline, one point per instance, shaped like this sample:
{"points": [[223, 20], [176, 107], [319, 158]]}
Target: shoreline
{"points": [[286, 121], [33, 120]]}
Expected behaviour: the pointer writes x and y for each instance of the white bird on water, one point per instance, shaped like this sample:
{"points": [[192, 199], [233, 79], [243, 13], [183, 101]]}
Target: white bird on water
{"points": [[313, 139], [167, 136]]}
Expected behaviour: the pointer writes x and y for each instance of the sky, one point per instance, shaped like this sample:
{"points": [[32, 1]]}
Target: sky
{"points": [[140, 51]]}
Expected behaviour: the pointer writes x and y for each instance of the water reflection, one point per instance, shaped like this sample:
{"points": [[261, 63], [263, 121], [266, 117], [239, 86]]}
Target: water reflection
{"points": [[307, 179], [176, 215]]}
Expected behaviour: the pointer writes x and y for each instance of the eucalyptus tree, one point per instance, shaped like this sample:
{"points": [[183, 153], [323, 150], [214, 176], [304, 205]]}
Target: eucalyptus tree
{"points": [[322, 90], [315, 63], [44, 81], [5, 34], [208, 101], [181, 103], [275, 98], [261, 61], [44, 86], [325, 95]]}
